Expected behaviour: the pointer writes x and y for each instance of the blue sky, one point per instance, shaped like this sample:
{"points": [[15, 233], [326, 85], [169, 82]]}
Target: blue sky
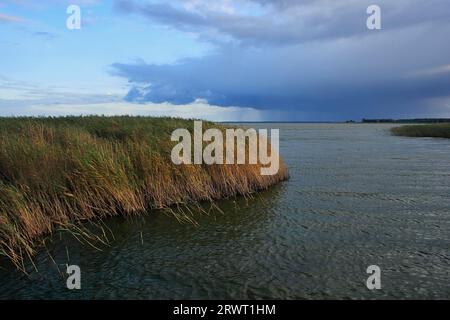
{"points": [[226, 59]]}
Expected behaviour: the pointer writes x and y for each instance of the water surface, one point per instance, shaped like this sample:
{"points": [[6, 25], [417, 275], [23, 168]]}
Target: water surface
{"points": [[357, 197]]}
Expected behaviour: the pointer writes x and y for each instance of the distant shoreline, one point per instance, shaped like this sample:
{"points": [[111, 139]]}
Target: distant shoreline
{"points": [[416, 120], [406, 121], [437, 130]]}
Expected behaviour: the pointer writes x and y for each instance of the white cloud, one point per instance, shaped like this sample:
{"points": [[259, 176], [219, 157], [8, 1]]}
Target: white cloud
{"points": [[433, 71], [199, 109], [11, 19]]}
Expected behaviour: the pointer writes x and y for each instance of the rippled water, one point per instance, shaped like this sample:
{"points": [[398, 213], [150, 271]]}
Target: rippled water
{"points": [[357, 197]]}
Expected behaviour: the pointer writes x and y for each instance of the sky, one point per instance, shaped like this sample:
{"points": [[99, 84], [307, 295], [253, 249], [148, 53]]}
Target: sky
{"points": [[226, 60]]}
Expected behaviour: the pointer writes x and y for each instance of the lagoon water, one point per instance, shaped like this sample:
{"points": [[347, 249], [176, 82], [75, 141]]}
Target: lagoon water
{"points": [[357, 197]]}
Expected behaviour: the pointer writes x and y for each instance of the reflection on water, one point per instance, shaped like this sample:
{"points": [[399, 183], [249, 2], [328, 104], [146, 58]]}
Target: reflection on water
{"points": [[357, 196]]}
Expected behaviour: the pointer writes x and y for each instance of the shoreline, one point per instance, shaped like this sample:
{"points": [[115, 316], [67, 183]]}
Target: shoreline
{"points": [[60, 171], [441, 130]]}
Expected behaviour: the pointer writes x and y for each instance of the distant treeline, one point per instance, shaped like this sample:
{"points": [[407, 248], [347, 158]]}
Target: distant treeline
{"points": [[423, 120]]}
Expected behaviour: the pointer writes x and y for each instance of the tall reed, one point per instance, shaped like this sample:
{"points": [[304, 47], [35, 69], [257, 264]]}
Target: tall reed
{"points": [[60, 171], [438, 130]]}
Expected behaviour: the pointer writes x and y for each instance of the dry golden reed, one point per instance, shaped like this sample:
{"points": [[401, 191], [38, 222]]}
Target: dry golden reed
{"points": [[55, 172]]}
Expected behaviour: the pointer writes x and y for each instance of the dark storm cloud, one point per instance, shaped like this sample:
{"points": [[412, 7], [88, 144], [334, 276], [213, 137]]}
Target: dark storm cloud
{"points": [[323, 62]]}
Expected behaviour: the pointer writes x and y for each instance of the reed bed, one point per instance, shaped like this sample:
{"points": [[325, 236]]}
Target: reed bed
{"points": [[439, 130], [56, 172]]}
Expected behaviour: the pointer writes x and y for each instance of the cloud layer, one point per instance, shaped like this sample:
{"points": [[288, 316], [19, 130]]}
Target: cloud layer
{"points": [[284, 22], [321, 63], [280, 59]]}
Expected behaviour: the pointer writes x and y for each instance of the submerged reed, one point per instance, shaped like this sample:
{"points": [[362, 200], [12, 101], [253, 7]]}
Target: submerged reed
{"points": [[55, 172]]}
